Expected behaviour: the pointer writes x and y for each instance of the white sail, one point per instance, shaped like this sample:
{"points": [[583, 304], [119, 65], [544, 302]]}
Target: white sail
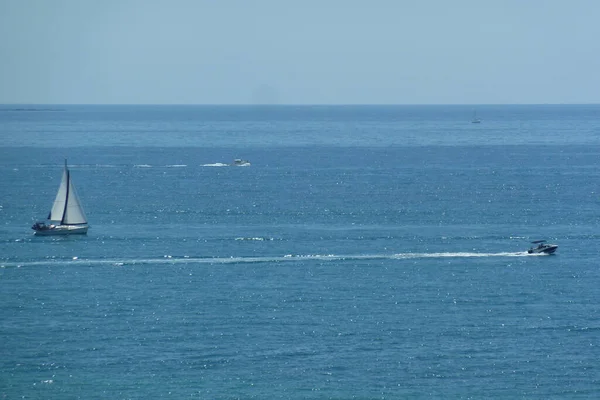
{"points": [[58, 208], [74, 211], [67, 208]]}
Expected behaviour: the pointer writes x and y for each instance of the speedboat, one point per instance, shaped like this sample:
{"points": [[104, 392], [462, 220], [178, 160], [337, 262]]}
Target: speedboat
{"points": [[238, 162], [542, 247]]}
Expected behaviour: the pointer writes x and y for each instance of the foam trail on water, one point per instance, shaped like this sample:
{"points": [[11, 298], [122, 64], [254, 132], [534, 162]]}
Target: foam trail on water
{"points": [[241, 260], [463, 254]]}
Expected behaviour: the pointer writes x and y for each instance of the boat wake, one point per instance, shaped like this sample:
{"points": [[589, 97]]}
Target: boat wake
{"points": [[169, 259], [243, 163]]}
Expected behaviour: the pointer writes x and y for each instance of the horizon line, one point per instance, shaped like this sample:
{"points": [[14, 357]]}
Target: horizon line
{"points": [[299, 104]]}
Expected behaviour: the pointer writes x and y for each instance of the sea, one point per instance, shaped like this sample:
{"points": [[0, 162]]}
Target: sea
{"points": [[367, 252]]}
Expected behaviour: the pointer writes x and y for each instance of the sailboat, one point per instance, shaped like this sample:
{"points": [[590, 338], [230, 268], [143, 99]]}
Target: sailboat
{"points": [[67, 216], [475, 120]]}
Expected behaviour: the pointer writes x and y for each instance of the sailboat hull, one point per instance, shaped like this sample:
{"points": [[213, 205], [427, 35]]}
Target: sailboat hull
{"points": [[55, 230]]}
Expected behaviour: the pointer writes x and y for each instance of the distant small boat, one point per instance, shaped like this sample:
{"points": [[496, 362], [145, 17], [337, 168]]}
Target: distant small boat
{"points": [[67, 216], [238, 162], [475, 120], [542, 247]]}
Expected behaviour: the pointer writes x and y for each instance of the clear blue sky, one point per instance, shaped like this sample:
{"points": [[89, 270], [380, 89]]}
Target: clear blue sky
{"points": [[299, 51]]}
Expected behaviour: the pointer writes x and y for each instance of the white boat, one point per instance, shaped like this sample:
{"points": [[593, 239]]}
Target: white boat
{"points": [[238, 162], [67, 216], [475, 120]]}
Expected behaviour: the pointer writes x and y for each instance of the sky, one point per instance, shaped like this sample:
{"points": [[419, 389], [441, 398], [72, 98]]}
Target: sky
{"points": [[299, 51]]}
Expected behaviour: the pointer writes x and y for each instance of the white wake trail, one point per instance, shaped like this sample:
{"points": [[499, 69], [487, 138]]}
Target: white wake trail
{"points": [[168, 259]]}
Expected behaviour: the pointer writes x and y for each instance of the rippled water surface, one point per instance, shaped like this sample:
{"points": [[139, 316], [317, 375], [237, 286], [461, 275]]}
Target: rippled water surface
{"points": [[366, 252]]}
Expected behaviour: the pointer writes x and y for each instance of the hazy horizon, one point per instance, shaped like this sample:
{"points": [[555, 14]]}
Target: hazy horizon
{"points": [[232, 52], [303, 104]]}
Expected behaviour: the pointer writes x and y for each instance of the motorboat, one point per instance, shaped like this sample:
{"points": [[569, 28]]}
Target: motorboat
{"points": [[238, 162], [542, 247]]}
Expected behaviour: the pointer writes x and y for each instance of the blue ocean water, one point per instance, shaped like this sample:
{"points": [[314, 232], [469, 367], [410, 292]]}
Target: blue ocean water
{"points": [[367, 252]]}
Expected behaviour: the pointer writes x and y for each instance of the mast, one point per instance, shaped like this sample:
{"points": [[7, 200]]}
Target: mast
{"points": [[62, 220]]}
